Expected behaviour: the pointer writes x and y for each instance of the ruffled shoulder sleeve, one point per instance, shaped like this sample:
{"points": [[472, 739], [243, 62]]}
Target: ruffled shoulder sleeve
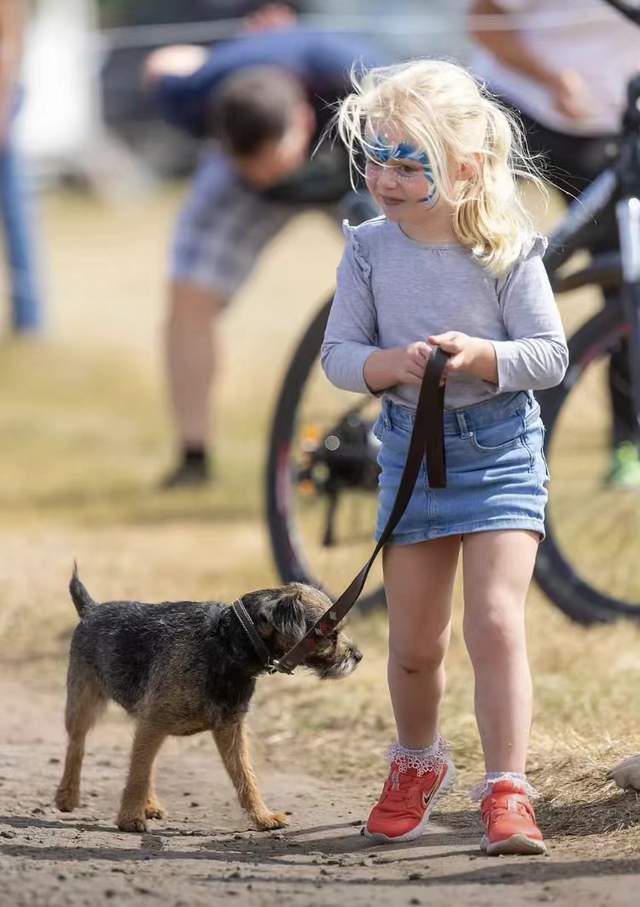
{"points": [[530, 258], [354, 250], [535, 247]]}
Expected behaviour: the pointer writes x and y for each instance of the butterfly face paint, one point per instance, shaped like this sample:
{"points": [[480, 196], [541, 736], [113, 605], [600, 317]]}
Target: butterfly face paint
{"points": [[381, 153]]}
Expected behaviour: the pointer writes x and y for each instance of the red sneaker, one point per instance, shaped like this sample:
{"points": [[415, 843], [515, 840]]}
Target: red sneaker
{"points": [[408, 796], [509, 821]]}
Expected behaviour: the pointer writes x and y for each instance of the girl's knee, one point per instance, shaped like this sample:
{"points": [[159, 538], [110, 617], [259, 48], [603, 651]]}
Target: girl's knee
{"points": [[495, 632], [414, 660]]}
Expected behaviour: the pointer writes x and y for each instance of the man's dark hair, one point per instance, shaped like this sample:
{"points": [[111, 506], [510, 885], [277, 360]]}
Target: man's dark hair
{"points": [[252, 107]]}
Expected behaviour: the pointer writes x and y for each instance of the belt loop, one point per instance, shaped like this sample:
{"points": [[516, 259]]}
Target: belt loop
{"points": [[463, 428], [386, 414]]}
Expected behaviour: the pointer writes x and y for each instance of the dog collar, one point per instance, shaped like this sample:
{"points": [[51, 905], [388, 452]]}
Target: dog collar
{"points": [[270, 664]]}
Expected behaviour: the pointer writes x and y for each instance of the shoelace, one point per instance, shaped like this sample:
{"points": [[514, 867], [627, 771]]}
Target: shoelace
{"points": [[512, 805], [398, 793]]}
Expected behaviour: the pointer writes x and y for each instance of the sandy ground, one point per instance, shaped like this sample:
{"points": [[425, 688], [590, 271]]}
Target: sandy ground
{"points": [[205, 852]]}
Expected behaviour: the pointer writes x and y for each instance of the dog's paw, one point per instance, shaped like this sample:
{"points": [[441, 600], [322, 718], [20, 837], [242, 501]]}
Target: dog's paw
{"points": [[271, 820], [131, 823], [154, 810], [67, 800], [626, 774]]}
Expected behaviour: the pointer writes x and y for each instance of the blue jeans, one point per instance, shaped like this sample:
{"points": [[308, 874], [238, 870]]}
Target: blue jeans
{"points": [[20, 243]]}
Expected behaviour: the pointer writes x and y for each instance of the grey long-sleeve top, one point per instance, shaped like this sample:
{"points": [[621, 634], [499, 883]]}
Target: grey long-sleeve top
{"points": [[393, 291]]}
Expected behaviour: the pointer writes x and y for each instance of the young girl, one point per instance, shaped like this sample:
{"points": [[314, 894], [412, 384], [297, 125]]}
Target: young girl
{"points": [[452, 262]]}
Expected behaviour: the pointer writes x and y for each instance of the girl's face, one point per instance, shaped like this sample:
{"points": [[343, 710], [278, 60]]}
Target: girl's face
{"points": [[400, 179]]}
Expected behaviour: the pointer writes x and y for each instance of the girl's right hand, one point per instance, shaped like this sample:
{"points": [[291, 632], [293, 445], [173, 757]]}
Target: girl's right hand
{"points": [[398, 365]]}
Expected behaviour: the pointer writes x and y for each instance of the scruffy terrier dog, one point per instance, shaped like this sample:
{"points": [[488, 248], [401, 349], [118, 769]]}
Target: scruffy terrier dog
{"points": [[180, 668]]}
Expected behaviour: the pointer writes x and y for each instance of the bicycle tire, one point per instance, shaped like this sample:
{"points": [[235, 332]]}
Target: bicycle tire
{"points": [[288, 553], [553, 571]]}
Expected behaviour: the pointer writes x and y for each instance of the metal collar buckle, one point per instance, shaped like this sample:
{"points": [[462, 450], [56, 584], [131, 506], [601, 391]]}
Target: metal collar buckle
{"points": [[275, 667]]}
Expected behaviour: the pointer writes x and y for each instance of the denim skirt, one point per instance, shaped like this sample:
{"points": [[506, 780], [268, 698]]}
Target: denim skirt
{"points": [[497, 475]]}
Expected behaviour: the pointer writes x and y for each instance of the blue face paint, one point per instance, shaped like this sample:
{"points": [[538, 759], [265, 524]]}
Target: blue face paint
{"points": [[383, 153], [403, 151]]}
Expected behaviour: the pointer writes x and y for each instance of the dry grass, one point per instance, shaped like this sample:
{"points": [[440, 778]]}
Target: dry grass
{"points": [[84, 439]]}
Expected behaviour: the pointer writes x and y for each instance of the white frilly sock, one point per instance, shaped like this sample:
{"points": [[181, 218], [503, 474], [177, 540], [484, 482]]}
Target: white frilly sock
{"points": [[428, 759], [478, 791]]}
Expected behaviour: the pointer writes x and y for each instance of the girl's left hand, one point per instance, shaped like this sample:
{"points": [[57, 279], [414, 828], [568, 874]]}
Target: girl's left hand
{"points": [[472, 355]]}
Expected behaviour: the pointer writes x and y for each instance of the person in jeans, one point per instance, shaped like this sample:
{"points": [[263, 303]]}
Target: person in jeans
{"points": [[26, 302], [565, 70]]}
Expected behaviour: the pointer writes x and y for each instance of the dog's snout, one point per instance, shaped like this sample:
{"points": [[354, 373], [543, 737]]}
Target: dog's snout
{"points": [[356, 654]]}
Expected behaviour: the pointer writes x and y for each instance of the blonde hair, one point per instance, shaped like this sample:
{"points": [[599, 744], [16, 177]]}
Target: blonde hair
{"points": [[440, 109]]}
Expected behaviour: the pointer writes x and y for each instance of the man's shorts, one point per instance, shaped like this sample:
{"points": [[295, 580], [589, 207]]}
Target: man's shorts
{"points": [[223, 227]]}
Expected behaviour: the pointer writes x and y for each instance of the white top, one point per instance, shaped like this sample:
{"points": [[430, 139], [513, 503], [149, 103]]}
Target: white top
{"points": [[586, 36]]}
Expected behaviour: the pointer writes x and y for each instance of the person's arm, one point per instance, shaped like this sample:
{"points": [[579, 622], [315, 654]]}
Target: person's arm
{"points": [[569, 93], [182, 78], [167, 75], [350, 356], [12, 23], [174, 60], [351, 333], [535, 356]]}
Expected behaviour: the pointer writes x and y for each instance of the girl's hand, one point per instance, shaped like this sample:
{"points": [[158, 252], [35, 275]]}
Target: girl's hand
{"points": [[472, 355], [398, 365]]}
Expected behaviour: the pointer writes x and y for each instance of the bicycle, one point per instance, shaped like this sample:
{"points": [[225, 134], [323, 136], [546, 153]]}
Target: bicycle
{"points": [[322, 454]]}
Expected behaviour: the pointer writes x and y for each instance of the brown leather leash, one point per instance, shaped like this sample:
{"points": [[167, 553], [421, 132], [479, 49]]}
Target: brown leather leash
{"points": [[427, 440]]}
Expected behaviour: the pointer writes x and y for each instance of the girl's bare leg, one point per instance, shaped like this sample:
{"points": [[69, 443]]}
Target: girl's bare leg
{"points": [[419, 584], [497, 568]]}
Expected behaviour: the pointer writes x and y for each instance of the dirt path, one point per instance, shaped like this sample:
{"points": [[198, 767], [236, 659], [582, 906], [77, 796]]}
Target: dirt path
{"points": [[204, 852]]}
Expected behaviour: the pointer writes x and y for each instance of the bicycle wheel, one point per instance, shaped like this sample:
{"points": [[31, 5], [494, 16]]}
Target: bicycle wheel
{"points": [[321, 477], [588, 563]]}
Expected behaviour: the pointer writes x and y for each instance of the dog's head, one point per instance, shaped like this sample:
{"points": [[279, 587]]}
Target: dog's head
{"points": [[282, 617]]}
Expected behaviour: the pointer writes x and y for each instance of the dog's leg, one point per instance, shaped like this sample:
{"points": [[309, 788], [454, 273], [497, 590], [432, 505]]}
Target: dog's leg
{"points": [[147, 741], [231, 740], [153, 808], [85, 702]]}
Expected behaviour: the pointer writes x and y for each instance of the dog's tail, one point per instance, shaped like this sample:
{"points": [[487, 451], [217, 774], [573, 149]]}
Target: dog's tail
{"points": [[79, 595]]}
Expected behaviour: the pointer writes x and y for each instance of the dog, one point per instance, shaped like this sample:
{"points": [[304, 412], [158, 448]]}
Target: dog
{"points": [[180, 668]]}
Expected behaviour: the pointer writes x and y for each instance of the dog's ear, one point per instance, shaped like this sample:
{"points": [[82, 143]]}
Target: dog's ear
{"points": [[289, 615], [264, 627]]}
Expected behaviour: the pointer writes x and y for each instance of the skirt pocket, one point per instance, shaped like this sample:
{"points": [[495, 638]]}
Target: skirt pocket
{"points": [[499, 436]]}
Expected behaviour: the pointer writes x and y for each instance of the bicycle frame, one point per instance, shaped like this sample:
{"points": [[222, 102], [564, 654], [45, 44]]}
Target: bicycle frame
{"points": [[628, 215]]}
